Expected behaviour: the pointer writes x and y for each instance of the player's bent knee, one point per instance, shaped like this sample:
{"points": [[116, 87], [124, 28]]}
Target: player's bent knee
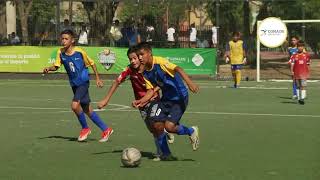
{"points": [[170, 127], [74, 106]]}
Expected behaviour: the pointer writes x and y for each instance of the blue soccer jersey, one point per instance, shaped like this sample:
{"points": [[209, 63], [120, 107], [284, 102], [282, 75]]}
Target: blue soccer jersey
{"points": [[76, 65], [292, 50], [163, 75]]}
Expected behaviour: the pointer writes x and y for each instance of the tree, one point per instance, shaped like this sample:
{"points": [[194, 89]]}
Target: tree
{"points": [[24, 7], [100, 14]]}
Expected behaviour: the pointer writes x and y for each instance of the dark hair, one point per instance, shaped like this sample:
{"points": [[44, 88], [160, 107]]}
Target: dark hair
{"points": [[69, 32], [145, 46], [300, 43], [237, 33], [132, 49], [296, 37]]}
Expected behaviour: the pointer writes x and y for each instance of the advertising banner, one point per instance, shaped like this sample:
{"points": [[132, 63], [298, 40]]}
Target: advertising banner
{"points": [[32, 59]]}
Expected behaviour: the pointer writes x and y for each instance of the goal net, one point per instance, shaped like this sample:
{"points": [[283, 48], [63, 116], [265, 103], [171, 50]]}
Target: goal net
{"points": [[272, 63]]}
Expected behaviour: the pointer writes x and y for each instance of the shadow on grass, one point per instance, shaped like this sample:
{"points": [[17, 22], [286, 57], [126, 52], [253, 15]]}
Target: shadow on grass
{"points": [[289, 102], [144, 154], [281, 97], [66, 138]]}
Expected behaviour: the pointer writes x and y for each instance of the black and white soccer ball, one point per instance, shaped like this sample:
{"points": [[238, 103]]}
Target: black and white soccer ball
{"points": [[131, 157]]}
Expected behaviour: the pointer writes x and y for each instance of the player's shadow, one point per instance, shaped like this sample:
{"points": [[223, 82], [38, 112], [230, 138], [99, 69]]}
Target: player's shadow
{"points": [[282, 97], [287, 102], [144, 154], [66, 138]]}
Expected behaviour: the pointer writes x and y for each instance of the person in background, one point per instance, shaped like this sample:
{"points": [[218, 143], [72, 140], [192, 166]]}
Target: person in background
{"points": [[236, 53], [214, 36], [293, 49], [14, 39], [83, 37], [193, 35], [170, 36], [115, 33], [133, 36], [300, 62]]}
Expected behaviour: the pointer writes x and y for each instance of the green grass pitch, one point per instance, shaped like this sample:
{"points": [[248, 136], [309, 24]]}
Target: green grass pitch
{"points": [[253, 133]]}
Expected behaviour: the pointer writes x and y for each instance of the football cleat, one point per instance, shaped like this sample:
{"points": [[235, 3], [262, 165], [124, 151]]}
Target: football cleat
{"points": [[106, 134], [194, 138], [84, 134]]}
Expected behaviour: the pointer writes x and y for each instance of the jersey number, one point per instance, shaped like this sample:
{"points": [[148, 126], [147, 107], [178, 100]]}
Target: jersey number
{"points": [[71, 66]]}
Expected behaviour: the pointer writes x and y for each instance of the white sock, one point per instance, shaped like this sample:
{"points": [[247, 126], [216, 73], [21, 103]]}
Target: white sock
{"points": [[298, 93], [303, 94]]}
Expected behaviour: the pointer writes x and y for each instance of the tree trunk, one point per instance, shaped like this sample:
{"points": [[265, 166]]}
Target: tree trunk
{"points": [[3, 29], [24, 10], [246, 19]]}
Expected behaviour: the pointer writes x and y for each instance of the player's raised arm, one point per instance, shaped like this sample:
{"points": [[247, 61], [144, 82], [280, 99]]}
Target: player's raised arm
{"points": [[192, 86]]}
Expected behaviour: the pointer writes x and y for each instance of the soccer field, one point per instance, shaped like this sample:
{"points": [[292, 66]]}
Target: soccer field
{"points": [[253, 133]]}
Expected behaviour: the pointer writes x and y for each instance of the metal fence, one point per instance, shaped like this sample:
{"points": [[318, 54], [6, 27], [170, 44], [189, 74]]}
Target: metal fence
{"points": [[45, 35]]}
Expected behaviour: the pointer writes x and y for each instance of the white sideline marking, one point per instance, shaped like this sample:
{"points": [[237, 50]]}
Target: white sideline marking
{"points": [[190, 112], [290, 80], [251, 87]]}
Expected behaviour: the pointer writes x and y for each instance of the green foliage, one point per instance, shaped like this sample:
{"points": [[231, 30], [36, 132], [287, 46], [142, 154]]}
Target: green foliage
{"points": [[43, 11]]}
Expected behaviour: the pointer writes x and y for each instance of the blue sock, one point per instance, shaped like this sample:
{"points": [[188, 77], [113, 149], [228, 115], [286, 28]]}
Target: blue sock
{"points": [[183, 130], [158, 153], [82, 120], [294, 88], [98, 121], [162, 141]]}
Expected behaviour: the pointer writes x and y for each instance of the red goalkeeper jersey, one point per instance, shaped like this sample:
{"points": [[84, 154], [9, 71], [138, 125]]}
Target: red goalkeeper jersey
{"points": [[300, 62], [137, 81]]}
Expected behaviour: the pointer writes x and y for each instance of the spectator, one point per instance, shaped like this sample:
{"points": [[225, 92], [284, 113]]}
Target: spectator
{"points": [[193, 35], [133, 36], [14, 39], [150, 33], [115, 33], [83, 37], [214, 36], [66, 25], [170, 36]]}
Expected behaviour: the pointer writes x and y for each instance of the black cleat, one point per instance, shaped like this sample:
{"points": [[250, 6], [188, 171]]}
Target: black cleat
{"points": [[301, 101]]}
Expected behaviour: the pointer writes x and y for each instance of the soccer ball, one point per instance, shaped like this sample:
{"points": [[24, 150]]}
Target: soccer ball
{"points": [[131, 157]]}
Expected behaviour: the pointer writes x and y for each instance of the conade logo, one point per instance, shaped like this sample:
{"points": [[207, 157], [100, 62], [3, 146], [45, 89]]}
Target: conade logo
{"points": [[272, 32]]}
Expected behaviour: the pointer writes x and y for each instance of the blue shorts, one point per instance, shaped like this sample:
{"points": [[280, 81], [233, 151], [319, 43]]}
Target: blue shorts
{"points": [[81, 93], [236, 67], [164, 110]]}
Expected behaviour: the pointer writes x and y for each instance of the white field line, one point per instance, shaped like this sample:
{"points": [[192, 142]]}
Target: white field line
{"points": [[63, 110]]}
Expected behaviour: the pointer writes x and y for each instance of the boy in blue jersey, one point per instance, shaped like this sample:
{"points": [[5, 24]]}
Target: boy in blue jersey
{"points": [[167, 112], [293, 49], [76, 63]]}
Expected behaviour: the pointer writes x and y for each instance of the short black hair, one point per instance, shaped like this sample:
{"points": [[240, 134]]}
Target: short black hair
{"points": [[300, 43], [144, 45], [132, 49], [236, 33], [69, 32]]}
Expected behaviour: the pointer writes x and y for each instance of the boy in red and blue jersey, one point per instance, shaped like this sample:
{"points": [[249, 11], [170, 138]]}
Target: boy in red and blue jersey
{"points": [[134, 73], [166, 112], [76, 63]]}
